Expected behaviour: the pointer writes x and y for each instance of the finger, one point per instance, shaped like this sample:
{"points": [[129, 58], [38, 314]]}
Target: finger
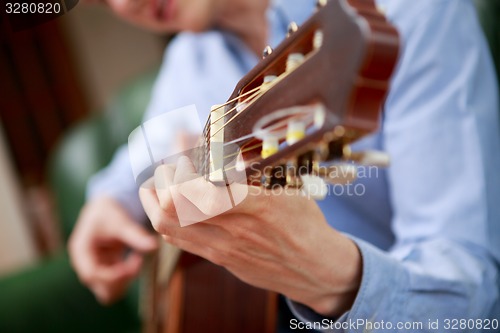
{"points": [[81, 252], [259, 199], [107, 293], [131, 266], [84, 264], [209, 198], [119, 272], [185, 170], [101, 293], [206, 197], [201, 233], [193, 247], [136, 237], [160, 219], [163, 180], [168, 179], [211, 251]]}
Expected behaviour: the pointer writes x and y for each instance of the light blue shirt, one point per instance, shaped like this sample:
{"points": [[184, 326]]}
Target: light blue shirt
{"points": [[428, 227]]}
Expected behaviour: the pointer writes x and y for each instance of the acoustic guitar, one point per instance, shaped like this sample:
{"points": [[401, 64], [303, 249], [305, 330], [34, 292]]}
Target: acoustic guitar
{"points": [[298, 110]]}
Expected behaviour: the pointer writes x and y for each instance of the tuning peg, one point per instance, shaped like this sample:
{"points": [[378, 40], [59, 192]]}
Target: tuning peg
{"points": [[313, 187], [296, 131], [267, 51], [267, 82], [338, 174], [317, 39], [292, 27], [321, 3], [269, 78], [367, 157], [270, 146], [381, 9], [293, 61]]}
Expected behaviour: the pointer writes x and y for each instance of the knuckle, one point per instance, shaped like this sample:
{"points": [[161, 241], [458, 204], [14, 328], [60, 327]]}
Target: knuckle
{"points": [[238, 233], [158, 220], [217, 257], [241, 231], [166, 202]]}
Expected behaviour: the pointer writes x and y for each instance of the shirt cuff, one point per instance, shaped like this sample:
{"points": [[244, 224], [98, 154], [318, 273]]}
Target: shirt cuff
{"points": [[381, 291]]}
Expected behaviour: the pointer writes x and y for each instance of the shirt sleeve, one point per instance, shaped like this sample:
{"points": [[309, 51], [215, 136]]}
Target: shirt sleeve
{"points": [[117, 180], [440, 128], [198, 69]]}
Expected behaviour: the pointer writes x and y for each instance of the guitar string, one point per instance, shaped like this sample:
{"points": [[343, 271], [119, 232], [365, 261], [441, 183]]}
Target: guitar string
{"points": [[236, 153], [271, 84], [208, 122], [248, 136], [253, 134], [239, 113], [258, 93], [254, 95], [271, 128], [232, 100], [284, 19], [252, 147], [248, 102]]}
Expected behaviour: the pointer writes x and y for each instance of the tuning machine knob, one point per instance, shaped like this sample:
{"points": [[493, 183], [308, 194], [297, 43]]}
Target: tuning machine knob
{"points": [[321, 3], [313, 187], [293, 61], [292, 27], [267, 51], [338, 174], [367, 157]]}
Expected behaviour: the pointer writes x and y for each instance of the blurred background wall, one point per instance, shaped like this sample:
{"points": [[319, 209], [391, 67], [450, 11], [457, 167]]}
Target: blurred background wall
{"points": [[52, 77], [107, 51]]}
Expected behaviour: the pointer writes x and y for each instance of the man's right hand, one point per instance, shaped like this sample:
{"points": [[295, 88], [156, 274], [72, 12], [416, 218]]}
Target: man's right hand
{"points": [[99, 248]]}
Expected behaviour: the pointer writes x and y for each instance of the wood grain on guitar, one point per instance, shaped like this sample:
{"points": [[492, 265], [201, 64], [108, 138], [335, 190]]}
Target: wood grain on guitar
{"points": [[322, 88]]}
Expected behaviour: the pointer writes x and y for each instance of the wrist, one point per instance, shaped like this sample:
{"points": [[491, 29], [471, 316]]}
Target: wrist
{"points": [[339, 275]]}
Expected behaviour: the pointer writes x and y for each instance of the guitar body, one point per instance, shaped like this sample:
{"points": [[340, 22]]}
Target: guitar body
{"points": [[347, 71], [203, 297], [214, 300]]}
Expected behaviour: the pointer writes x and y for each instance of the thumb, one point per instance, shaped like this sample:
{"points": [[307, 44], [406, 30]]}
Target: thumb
{"points": [[136, 237]]}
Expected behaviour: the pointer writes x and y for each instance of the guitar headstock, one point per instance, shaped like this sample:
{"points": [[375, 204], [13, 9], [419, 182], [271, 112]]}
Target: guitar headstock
{"points": [[320, 89]]}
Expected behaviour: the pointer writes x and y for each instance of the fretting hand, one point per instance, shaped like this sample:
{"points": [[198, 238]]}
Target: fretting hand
{"points": [[279, 242]]}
